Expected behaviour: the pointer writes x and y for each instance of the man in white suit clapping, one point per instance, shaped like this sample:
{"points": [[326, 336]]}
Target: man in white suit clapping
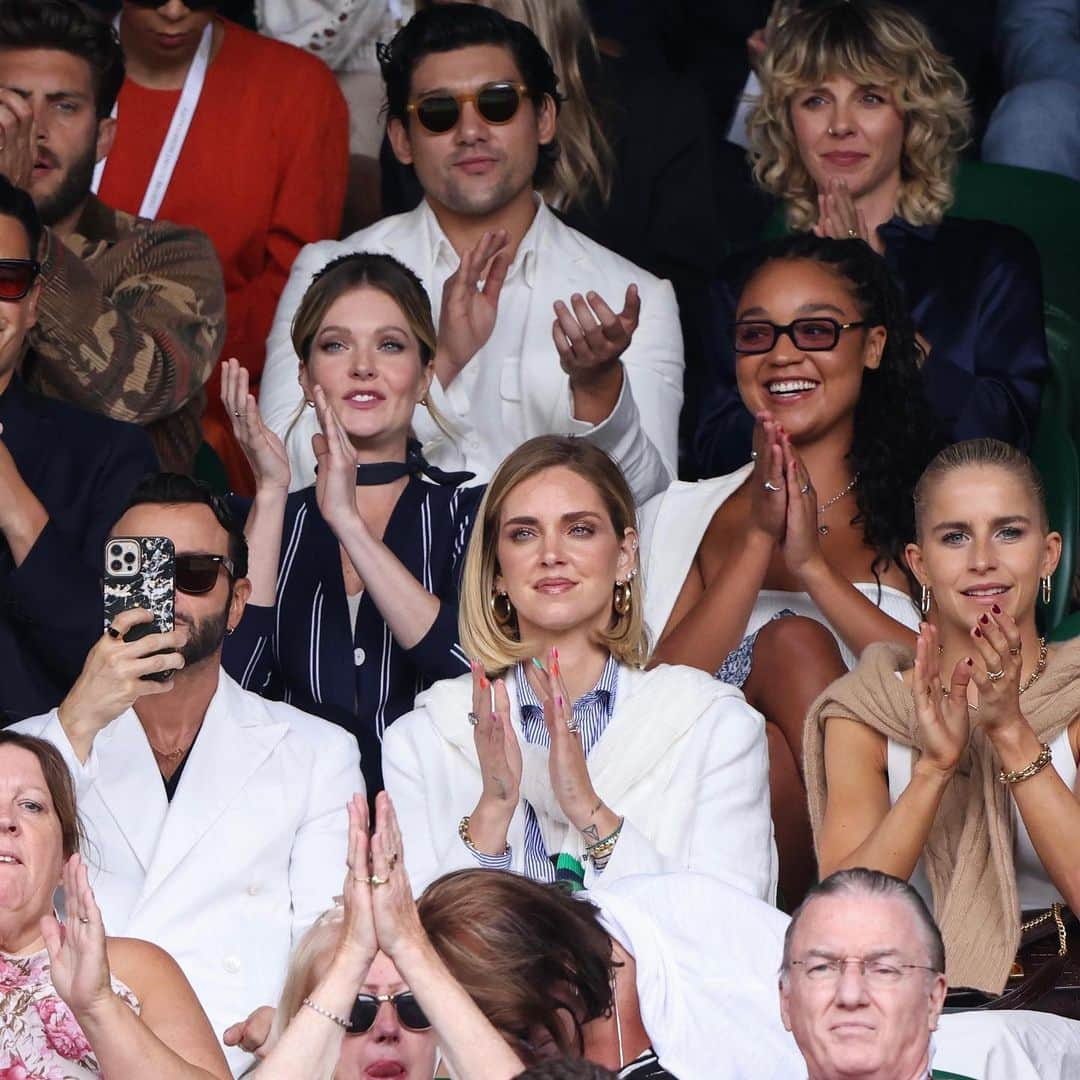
{"points": [[584, 342], [216, 819]]}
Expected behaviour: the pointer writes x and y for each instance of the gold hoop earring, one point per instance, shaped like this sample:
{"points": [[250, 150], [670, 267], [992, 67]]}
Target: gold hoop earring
{"points": [[926, 599], [1047, 584], [622, 598], [501, 609]]}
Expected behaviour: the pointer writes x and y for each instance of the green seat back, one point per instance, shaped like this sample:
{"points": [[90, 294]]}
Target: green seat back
{"points": [[210, 470]]}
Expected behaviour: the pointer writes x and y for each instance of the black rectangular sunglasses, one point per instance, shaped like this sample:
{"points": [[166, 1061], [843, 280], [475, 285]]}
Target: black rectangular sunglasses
{"points": [[198, 574], [366, 1008]]}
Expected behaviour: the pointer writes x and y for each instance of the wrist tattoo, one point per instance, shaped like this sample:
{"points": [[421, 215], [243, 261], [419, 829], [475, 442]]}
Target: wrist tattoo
{"points": [[591, 833]]}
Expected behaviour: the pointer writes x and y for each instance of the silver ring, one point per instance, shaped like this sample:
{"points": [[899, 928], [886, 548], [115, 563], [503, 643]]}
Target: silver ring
{"points": [[770, 486], [993, 676], [474, 719], [804, 489], [83, 919], [753, 455], [573, 726], [237, 413]]}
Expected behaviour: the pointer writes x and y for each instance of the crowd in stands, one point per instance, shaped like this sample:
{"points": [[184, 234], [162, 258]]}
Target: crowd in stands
{"points": [[613, 508]]}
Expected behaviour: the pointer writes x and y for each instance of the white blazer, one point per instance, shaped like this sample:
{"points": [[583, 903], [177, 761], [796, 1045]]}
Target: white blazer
{"points": [[642, 431], [693, 788], [251, 849]]}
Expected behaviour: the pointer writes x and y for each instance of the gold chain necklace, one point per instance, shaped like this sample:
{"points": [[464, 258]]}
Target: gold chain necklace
{"points": [[1040, 667]]}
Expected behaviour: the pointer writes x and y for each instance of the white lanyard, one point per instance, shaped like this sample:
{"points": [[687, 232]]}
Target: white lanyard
{"points": [[178, 128]]}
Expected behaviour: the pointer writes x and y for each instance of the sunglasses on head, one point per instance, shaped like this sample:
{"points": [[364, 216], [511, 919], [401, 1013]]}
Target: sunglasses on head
{"points": [[366, 1008], [17, 277], [810, 335], [496, 103], [198, 574], [191, 5]]}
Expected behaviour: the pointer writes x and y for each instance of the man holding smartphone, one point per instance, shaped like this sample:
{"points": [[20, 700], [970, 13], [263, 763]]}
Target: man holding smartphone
{"points": [[217, 816], [64, 475]]}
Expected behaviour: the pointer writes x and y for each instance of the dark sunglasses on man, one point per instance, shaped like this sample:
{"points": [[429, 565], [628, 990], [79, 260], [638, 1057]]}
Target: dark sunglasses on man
{"points": [[811, 335], [496, 102], [366, 1008], [198, 574], [17, 277]]}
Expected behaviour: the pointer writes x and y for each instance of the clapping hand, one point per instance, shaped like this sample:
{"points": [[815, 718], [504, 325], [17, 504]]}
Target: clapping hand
{"points": [[997, 640], [591, 337], [944, 726], [263, 449], [838, 216], [397, 922], [18, 140], [768, 487], [801, 544], [78, 959], [468, 311], [357, 945], [497, 748], [335, 481]]}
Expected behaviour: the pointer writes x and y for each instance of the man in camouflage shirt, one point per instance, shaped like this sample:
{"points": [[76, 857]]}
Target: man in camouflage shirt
{"points": [[132, 312]]}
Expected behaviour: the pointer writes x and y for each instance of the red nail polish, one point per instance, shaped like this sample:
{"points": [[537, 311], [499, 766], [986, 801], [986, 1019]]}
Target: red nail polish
{"points": [[559, 701], [555, 668], [996, 610], [978, 632], [969, 661], [484, 684], [984, 619], [555, 651]]}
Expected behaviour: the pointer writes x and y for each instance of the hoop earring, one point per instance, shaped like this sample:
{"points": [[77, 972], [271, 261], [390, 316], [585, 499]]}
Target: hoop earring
{"points": [[501, 609], [1047, 584], [622, 597], [926, 599]]}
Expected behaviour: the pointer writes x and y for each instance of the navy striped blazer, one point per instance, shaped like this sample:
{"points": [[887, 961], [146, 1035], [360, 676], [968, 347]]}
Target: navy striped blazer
{"points": [[304, 650]]}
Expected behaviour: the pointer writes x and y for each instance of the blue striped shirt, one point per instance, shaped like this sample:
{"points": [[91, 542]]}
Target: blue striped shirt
{"points": [[593, 712]]}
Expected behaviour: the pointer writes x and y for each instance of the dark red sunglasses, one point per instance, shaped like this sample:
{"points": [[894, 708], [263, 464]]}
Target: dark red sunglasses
{"points": [[17, 277]]}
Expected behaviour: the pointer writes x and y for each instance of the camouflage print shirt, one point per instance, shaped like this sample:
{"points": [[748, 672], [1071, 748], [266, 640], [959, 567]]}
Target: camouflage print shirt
{"points": [[130, 322]]}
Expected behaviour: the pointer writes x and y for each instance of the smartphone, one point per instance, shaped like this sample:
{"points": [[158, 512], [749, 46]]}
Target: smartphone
{"points": [[140, 572]]}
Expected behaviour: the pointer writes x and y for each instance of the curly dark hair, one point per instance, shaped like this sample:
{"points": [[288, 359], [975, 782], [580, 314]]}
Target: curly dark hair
{"points": [[566, 1069], [448, 27], [895, 431], [71, 27]]}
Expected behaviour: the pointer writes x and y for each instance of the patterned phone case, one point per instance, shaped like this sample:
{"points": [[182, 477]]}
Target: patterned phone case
{"points": [[140, 572]]}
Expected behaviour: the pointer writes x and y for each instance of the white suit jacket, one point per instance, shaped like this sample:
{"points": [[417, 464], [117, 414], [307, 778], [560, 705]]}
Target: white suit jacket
{"points": [[699, 803], [251, 849], [642, 431]]}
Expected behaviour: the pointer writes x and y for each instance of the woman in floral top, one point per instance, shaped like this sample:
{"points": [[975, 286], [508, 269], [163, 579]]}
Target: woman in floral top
{"points": [[63, 1015]]}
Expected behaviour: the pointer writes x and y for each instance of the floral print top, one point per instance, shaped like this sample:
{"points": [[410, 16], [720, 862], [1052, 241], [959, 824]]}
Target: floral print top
{"points": [[40, 1038]]}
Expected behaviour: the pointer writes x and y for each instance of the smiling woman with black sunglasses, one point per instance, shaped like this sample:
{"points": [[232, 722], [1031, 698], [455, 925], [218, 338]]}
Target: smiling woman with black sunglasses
{"points": [[815, 526]]}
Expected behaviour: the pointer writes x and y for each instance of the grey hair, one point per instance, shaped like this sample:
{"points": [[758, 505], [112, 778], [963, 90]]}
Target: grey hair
{"points": [[859, 881], [980, 452]]}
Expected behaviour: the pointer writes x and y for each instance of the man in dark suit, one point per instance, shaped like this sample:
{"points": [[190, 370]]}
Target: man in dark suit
{"points": [[65, 474]]}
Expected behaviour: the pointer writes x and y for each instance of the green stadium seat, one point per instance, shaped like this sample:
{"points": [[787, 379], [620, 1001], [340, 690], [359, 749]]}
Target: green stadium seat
{"points": [[209, 469]]}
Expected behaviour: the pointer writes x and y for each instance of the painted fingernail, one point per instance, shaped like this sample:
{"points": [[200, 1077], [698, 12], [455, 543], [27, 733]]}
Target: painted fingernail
{"points": [[978, 632], [996, 610], [538, 665], [984, 619], [559, 701], [969, 661], [555, 652], [484, 684]]}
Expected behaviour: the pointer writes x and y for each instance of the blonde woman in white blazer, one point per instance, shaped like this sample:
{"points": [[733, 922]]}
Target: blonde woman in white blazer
{"points": [[559, 757]]}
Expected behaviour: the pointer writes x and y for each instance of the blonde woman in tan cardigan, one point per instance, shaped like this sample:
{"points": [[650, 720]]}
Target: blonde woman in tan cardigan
{"points": [[956, 768]]}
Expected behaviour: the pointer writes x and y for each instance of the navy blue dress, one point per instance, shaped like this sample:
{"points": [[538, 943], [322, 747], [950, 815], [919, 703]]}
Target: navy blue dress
{"points": [[974, 289], [305, 650]]}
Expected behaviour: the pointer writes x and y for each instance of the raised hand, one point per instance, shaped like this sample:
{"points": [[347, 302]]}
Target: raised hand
{"points": [[997, 642], [499, 755], [590, 337], [18, 140], [768, 488], [838, 215], [335, 481], [78, 958], [357, 944], [801, 545], [397, 923], [112, 677], [468, 310], [944, 726], [263, 449]]}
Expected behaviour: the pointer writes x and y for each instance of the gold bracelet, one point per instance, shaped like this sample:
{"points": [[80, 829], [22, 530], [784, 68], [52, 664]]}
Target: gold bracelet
{"points": [[463, 832], [1028, 771], [603, 848]]}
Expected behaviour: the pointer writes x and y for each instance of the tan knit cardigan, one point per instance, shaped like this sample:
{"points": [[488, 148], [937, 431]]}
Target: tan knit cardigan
{"points": [[969, 852]]}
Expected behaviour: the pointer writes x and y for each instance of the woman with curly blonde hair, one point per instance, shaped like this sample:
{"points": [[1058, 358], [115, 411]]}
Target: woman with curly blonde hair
{"points": [[858, 131]]}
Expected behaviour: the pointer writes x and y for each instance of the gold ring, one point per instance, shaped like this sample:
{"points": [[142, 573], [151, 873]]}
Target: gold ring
{"points": [[376, 880], [852, 234], [993, 676]]}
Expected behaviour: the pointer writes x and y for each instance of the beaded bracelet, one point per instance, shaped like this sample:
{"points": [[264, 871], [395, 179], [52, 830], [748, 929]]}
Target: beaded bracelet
{"points": [[602, 849], [1028, 771], [463, 832], [326, 1012]]}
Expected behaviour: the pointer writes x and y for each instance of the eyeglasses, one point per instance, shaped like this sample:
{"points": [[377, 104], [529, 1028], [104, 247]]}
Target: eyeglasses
{"points": [[496, 102], [17, 277], [877, 973], [366, 1008], [811, 335], [191, 5], [198, 574]]}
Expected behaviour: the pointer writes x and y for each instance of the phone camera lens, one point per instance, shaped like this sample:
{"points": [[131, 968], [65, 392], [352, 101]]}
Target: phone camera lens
{"points": [[129, 558], [115, 549], [115, 566]]}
